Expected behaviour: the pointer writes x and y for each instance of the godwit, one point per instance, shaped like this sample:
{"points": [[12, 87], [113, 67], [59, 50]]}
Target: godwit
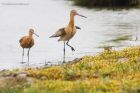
{"points": [[27, 42], [66, 33]]}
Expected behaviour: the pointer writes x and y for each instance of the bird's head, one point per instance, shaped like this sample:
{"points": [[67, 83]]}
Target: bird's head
{"points": [[74, 13], [31, 32]]}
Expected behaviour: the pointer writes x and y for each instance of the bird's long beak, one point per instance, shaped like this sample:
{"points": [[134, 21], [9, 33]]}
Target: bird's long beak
{"points": [[36, 34], [81, 15]]}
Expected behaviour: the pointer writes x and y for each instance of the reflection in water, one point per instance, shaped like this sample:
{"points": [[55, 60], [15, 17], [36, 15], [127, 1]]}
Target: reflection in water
{"points": [[14, 3], [101, 28], [123, 30]]}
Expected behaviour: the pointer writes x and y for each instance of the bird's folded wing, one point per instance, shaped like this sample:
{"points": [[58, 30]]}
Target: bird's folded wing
{"points": [[58, 33]]}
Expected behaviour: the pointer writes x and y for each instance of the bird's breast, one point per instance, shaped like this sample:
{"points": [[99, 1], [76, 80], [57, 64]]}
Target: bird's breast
{"points": [[27, 42], [70, 31]]}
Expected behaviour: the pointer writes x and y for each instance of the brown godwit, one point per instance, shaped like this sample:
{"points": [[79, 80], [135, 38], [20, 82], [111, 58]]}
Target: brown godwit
{"points": [[66, 33], [27, 42]]}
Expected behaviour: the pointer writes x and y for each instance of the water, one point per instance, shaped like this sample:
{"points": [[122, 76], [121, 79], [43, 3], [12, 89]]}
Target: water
{"points": [[46, 16]]}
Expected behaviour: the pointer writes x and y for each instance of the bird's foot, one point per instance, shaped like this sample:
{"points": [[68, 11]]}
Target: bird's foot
{"points": [[72, 49]]}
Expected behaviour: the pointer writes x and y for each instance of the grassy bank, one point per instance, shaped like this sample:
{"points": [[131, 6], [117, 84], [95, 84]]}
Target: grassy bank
{"points": [[91, 3], [110, 72]]}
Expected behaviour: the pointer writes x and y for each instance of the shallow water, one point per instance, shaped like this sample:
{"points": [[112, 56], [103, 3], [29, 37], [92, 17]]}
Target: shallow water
{"points": [[46, 16]]}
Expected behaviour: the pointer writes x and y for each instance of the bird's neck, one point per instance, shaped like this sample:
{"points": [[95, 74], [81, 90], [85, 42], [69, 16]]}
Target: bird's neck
{"points": [[31, 35], [71, 22]]}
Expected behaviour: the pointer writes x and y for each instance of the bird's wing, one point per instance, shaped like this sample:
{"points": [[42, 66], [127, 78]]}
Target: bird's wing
{"points": [[58, 33], [77, 27]]}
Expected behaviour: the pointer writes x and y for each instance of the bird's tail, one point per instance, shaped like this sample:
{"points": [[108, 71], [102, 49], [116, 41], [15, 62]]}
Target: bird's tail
{"points": [[77, 27], [53, 36]]}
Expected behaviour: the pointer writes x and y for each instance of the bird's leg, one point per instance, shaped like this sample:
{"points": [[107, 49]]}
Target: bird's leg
{"points": [[70, 46], [64, 53], [28, 56], [22, 55]]}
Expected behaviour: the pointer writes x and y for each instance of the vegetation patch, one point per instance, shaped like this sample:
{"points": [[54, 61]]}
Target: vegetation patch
{"points": [[107, 2], [110, 71]]}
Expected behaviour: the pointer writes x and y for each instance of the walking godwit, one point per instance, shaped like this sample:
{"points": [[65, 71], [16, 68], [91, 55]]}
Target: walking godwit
{"points": [[27, 42], [66, 33]]}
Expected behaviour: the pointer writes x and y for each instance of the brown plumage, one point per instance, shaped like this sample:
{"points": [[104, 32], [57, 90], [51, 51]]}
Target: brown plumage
{"points": [[68, 32], [61, 32], [27, 42]]}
